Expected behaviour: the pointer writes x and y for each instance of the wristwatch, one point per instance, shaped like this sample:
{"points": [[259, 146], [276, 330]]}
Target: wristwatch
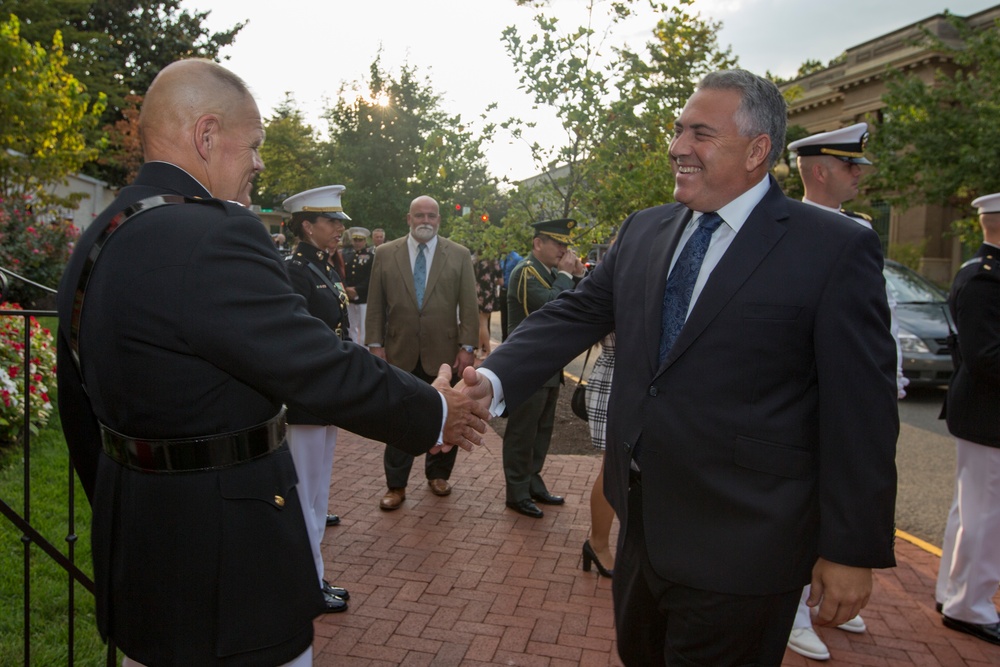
{"points": [[469, 348]]}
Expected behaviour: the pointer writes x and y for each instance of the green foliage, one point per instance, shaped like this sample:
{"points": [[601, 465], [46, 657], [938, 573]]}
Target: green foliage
{"points": [[391, 142], [629, 166], [792, 184], [291, 156], [937, 142], [34, 243], [122, 152], [49, 589], [907, 254], [118, 46], [683, 50], [45, 114], [617, 112], [565, 72], [970, 233]]}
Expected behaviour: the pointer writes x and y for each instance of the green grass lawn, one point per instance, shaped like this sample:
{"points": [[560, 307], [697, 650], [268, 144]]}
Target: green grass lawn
{"points": [[49, 583]]}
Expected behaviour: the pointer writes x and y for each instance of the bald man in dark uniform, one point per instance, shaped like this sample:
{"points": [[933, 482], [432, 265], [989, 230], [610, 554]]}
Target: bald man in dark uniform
{"points": [[179, 339]]}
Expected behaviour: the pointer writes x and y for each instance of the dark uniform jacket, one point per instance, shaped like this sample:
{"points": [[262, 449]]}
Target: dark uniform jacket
{"points": [[532, 285], [312, 277], [974, 393], [190, 328], [748, 433], [358, 270]]}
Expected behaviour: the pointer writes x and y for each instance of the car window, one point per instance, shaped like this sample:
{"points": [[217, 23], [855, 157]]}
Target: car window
{"points": [[908, 286]]}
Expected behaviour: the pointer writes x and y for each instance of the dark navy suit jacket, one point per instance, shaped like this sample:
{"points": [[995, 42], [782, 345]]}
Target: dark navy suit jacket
{"points": [[767, 436]]}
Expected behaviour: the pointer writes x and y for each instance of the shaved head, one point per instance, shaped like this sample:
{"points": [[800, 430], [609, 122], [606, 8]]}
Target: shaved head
{"points": [[181, 93], [201, 117]]}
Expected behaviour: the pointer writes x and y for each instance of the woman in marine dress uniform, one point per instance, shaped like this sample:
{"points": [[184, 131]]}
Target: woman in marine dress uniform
{"points": [[318, 223]]}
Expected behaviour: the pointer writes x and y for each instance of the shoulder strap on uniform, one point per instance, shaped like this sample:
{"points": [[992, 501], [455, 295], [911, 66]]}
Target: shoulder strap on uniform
{"points": [[116, 223], [856, 214], [322, 276], [522, 284]]}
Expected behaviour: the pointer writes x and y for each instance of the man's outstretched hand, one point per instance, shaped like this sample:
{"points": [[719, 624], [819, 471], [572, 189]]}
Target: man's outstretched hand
{"points": [[466, 417], [476, 386]]}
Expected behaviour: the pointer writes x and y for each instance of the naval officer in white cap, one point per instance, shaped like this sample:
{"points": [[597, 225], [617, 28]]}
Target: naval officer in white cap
{"points": [[318, 223], [970, 560], [830, 165]]}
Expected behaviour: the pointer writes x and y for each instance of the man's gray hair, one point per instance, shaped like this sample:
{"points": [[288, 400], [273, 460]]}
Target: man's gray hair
{"points": [[762, 110]]}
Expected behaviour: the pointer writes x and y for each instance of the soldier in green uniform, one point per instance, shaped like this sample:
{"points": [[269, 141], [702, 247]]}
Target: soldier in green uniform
{"points": [[549, 269]]}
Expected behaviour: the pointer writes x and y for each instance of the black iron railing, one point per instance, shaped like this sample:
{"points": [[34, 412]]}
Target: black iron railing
{"points": [[34, 543]]}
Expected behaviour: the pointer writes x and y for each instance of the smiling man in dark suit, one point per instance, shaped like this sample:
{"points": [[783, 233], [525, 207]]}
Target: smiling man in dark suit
{"points": [[752, 419]]}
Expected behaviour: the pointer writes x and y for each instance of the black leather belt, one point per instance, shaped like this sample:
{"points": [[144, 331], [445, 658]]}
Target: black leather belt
{"points": [[190, 454]]}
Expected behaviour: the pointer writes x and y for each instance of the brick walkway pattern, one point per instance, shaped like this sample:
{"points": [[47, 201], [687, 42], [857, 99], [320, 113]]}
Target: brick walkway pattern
{"points": [[462, 580]]}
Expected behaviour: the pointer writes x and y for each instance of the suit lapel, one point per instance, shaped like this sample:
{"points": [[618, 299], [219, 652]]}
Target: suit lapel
{"points": [[437, 267], [759, 234], [663, 245], [402, 259]]}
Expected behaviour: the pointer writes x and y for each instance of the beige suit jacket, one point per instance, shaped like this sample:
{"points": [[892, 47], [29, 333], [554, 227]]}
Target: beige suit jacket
{"points": [[449, 317]]}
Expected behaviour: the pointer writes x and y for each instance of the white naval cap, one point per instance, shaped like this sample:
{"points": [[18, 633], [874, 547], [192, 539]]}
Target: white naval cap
{"points": [[988, 203], [359, 233], [847, 143], [324, 201]]}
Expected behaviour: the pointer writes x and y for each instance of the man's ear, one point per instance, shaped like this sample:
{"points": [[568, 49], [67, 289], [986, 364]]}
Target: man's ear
{"points": [[206, 134], [758, 152]]}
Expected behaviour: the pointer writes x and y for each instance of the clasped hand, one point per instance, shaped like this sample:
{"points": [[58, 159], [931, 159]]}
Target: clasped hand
{"points": [[466, 417]]}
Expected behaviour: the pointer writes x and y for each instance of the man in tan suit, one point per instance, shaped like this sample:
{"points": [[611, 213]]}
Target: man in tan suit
{"points": [[422, 312]]}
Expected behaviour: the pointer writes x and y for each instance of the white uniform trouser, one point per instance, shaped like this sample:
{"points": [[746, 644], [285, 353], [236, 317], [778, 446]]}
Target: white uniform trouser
{"points": [[305, 659], [970, 560], [312, 452], [803, 615], [356, 313]]}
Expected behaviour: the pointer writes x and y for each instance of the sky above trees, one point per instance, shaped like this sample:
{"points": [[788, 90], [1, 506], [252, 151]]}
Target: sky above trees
{"points": [[309, 47]]}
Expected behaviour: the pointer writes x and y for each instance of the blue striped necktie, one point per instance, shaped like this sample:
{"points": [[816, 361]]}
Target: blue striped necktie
{"points": [[680, 282], [420, 274]]}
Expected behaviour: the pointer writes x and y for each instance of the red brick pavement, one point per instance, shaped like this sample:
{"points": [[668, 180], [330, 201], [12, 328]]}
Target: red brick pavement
{"points": [[461, 580]]}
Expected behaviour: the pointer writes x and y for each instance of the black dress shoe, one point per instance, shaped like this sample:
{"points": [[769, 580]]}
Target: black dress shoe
{"points": [[335, 590], [525, 507], [332, 520], [333, 605], [989, 632], [547, 498]]}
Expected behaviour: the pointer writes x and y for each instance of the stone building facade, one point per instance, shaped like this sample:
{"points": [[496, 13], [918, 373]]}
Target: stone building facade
{"points": [[851, 91]]}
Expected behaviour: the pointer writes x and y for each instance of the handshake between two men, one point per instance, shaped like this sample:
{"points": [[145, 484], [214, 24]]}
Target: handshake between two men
{"points": [[468, 408]]}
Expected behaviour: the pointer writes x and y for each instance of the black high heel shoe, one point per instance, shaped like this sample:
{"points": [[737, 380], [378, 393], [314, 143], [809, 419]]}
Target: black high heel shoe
{"points": [[590, 556]]}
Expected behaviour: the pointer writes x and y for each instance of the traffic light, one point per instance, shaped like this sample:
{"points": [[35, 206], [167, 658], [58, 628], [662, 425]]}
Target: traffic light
{"points": [[458, 209], [485, 217]]}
